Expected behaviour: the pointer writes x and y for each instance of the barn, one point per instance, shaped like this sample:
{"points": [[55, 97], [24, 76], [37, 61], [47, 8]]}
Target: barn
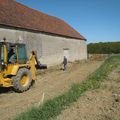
{"points": [[51, 37]]}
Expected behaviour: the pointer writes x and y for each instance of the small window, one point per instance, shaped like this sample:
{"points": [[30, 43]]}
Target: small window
{"points": [[22, 56], [1, 53]]}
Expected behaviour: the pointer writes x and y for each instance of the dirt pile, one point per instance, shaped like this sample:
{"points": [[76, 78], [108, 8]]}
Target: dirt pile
{"points": [[98, 56]]}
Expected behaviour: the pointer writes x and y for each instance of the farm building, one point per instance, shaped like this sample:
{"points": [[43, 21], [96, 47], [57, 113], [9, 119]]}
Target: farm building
{"points": [[51, 37]]}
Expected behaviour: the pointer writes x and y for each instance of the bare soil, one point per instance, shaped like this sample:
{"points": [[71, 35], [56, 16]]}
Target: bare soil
{"points": [[49, 83], [100, 104]]}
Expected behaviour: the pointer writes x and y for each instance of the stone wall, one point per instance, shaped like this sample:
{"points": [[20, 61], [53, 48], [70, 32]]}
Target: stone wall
{"points": [[50, 49]]}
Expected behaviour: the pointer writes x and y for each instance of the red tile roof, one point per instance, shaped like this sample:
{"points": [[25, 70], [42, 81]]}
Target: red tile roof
{"points": [[15, 14]]}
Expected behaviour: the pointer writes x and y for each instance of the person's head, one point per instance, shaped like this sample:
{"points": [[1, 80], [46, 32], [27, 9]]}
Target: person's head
{"points": [[13, 49], [64, 57]]}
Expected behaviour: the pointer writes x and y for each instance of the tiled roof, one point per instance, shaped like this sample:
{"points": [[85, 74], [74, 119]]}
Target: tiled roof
{"points": [[15, 14]]}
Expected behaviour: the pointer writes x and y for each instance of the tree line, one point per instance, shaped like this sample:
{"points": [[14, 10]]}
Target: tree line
{"points": [[104, 48]]}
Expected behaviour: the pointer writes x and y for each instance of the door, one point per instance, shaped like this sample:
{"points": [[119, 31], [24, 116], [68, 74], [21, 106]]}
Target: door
{"points": [[66, 53]]}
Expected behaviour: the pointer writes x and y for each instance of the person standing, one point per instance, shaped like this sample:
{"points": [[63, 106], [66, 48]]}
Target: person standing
{"points": [[65, 63]]}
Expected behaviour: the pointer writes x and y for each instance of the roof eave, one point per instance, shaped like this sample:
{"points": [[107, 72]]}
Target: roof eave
{"points": [[36, 30]]}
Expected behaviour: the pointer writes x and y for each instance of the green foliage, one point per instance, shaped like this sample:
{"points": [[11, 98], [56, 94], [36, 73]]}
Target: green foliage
{"points": [[104, 48], [51, 108]]}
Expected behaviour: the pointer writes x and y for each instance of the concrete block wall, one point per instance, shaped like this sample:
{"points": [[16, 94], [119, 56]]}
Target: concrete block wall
{"points": [[50, 49], [53, 49]]}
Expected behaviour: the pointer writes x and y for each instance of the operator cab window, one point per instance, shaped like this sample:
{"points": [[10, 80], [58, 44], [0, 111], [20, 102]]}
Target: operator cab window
{"points": [[12, 57], [22, 55], [1, 53]]}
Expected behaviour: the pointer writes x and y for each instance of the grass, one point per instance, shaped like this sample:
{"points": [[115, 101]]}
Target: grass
{"points": [[51, 108]]}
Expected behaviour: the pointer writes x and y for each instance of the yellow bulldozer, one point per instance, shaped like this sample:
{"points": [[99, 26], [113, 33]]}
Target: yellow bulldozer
{"points": [[16, 70]]}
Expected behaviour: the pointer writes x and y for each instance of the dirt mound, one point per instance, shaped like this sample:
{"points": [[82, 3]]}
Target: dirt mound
{"points": [[98, 56], [100, 104]]}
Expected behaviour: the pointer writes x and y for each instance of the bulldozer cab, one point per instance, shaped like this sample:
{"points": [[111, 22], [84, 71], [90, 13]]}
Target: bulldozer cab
{"points": [[19, 51], [12, 53], [16, 70]]}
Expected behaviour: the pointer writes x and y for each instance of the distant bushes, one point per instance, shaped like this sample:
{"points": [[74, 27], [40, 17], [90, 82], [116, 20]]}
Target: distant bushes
{"points": [[104, 48]]}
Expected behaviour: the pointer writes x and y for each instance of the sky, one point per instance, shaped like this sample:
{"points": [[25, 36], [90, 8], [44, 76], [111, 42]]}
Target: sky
{"points": [[96, 20]]}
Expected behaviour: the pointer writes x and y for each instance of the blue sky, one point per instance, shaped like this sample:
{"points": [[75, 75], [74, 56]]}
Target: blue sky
{"points": [[97, 20]]}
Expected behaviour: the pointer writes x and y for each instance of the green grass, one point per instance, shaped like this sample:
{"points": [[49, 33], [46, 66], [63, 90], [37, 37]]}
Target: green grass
{"points": [[51, 108]]}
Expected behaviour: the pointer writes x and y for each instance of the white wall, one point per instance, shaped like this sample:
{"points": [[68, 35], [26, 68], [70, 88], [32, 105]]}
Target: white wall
{"points": [[50, 49]]}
